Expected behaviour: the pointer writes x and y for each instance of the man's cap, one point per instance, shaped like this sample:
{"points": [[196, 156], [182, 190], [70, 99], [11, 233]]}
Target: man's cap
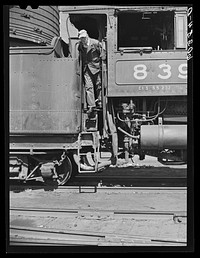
{"points": [[82, 33]]}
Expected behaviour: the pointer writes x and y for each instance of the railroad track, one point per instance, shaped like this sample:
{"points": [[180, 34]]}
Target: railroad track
{"points": [[126, 181], [43, 223], [92, 186], [84, 212], [128, 176], [132, 181], [32, 236], [20, 235]]}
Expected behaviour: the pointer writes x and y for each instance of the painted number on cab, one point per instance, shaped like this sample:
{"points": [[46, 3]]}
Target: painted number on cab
{"points": [[165, 71]]}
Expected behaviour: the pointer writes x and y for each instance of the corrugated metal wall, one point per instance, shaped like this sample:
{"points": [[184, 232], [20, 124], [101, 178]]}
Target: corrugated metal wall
{"points": [[34, 25]]}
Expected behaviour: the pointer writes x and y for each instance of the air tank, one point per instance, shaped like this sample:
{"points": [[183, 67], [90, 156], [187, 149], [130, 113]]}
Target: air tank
{"points": [[33, 26], [161, 137]]}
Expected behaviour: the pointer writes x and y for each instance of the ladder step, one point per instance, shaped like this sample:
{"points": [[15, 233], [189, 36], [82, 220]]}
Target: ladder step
{"points": [[94, 109]]}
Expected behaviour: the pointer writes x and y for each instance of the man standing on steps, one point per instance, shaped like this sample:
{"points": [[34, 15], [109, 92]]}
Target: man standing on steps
{"points": [[92, 53]]}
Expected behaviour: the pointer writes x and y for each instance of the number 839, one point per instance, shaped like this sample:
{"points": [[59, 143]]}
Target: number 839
{"points": [[140, 71]]}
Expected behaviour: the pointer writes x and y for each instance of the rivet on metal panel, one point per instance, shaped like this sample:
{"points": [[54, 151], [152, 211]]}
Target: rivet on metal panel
{"points": [[14, 31], [31, 151], [37, 29], [26, 15]]}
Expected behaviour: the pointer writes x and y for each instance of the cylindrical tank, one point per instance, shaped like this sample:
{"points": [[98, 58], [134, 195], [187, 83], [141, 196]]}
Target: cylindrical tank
{"points": [[33, 26], [163, 136]]}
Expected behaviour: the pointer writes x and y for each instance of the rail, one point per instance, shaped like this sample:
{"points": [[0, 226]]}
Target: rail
{"points": [[28, 235], [63, 237]]}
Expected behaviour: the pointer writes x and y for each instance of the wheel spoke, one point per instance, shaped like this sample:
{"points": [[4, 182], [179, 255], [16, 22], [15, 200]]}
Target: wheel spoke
{"points": [[64, 171]]}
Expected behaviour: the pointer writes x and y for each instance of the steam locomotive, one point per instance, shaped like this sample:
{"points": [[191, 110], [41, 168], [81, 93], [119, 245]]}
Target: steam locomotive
{"points": [[144, 89]]}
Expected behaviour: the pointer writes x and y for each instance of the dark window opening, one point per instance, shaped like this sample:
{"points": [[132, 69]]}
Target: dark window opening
{"points": [[65, 48], [94, 24], [147, 29]]}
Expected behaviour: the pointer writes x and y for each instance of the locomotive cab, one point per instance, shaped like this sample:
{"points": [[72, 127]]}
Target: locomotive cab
{"points": [[147, 81]]}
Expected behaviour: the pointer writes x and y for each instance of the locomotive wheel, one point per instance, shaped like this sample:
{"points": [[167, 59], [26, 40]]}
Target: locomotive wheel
{"points": [[64, 171]]}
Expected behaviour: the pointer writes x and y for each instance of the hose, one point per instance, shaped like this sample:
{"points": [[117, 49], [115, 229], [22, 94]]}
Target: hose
{"points": [[128, 134]]}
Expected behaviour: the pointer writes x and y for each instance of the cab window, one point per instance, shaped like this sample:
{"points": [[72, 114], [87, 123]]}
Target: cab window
{"points": [[158, 30]]}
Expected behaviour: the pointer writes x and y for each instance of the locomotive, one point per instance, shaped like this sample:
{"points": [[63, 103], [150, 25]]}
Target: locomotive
{"points": [[144, 89]]}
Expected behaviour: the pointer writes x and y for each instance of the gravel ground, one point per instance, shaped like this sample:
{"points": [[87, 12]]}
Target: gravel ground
{"points": [[114, 200]]}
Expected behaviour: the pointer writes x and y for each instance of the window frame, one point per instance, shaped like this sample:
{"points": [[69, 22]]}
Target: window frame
{"points": [[178, 17]]}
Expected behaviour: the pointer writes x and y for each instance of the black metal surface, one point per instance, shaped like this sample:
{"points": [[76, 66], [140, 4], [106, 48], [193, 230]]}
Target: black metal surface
{"points": [[130, 181], [149, 177]]}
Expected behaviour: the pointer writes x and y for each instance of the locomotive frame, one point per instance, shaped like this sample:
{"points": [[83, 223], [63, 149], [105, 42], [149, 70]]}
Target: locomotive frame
{"points": [[144, 91]]}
